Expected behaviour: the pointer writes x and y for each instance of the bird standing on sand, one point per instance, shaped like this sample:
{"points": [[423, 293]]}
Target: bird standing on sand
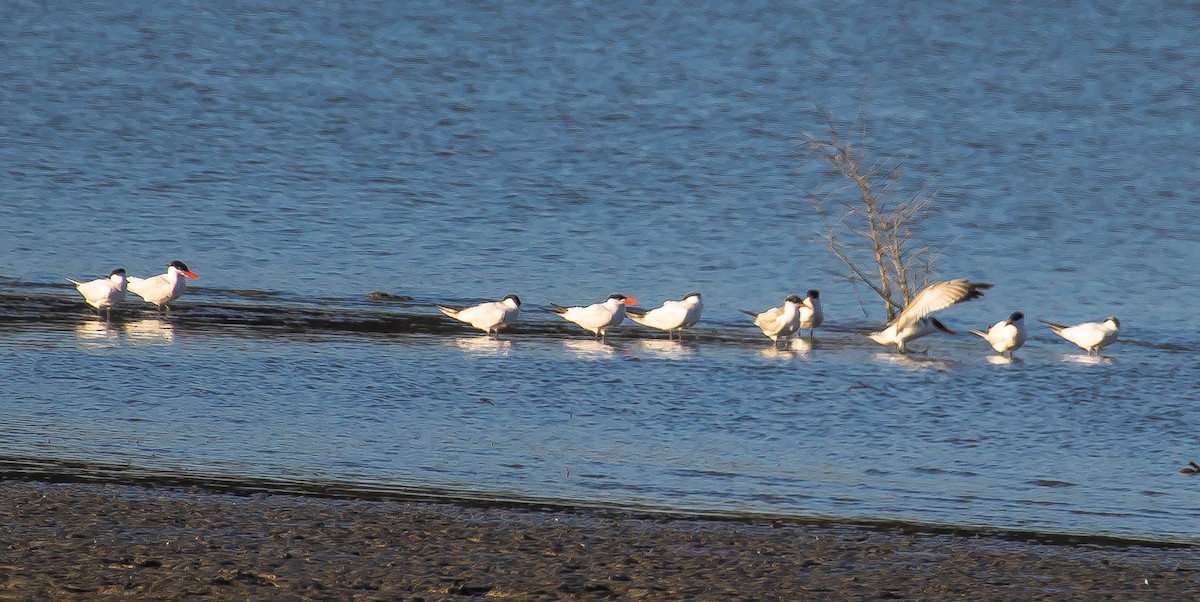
{"points": [[779, 323], [103, 293], [163, 288], [671, 316], [1006, 336], [489, 317], [1089, 336], [916, 320], [596, 318]]}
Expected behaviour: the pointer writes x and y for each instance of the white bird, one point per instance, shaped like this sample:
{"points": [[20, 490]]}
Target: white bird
{"points": [[103, 293], [1006, 336], [811, 314], [1089, 336], [597, 317], [671, 316], [779, 323], [916, 321], [489, 317], [163, 288]]}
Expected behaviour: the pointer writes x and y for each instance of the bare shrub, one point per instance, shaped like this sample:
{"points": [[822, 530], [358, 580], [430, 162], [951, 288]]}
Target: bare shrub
{"points": [[871, 232]]}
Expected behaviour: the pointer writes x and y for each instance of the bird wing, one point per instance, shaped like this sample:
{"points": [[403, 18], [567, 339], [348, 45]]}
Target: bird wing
{"points": [[592, 316], [768, 317], [141, 286], [484, 313], [671, 315], [1085, 335], [939, 296]]}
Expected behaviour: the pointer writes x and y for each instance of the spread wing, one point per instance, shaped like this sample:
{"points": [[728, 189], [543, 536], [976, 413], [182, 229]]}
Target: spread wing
{"points": [[939, 296]]}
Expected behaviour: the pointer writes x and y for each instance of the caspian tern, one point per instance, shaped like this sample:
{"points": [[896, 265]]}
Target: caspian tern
{"points": [[779, 323], [103, 293], [163, 288], [1089, 336], [811, 314], [489, 317], [597, 317], [671, 316], [1006, 336], [916, 321]]}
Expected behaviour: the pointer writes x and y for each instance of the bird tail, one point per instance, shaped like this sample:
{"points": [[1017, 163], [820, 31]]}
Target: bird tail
{"points": [[75, 282], [634, 311], [640, 318], [748, 313], [449, 311], [1053, 326], [979, 332], [556, 309]]}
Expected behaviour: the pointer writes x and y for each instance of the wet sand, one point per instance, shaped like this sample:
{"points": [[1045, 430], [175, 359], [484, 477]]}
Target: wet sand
{"points": [[104, 541]]}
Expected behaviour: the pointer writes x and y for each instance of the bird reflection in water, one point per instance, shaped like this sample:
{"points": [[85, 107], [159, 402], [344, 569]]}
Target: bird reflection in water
{"points": [[914, 362], [1088, 359], [98, 334], [665, 348], [150, 331], [1003, 360], [482, 345], [796, 348], [589, 349]]}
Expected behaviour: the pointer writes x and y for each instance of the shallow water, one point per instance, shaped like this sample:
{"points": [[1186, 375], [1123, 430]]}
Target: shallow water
{"points": [[299, 159]]}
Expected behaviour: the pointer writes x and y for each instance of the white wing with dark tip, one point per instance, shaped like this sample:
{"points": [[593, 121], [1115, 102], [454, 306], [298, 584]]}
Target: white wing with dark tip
{"points": [[939, 296]]}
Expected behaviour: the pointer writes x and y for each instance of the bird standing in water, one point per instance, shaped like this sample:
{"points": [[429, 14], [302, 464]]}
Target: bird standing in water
{"points": [[104, 293], [916, 320], [1006, 336], [489, 317], [163, 288]]}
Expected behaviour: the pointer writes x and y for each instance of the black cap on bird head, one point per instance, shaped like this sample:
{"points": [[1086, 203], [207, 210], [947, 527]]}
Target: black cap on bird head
{"points": [[794, 299], [179, 265], [1016, 315], [516, 300], [814, 293], [120, 271]]}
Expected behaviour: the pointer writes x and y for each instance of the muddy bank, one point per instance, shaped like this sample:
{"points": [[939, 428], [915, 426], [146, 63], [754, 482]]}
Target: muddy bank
{"points": [[98, 541]]}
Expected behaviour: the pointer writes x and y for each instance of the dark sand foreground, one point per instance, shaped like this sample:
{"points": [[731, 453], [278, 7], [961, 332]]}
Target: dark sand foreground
{"points": [[96, 542]]}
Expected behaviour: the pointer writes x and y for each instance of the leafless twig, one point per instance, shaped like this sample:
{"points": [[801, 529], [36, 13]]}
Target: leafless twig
{"points": [[873, 236]]}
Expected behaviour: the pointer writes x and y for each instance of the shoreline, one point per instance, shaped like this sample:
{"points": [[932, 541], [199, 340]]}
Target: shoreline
{"points": [[78, 540], [67, 471]]}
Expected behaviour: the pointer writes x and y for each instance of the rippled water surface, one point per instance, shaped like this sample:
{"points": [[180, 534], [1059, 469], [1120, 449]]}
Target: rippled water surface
{"points": [[302, 157]]}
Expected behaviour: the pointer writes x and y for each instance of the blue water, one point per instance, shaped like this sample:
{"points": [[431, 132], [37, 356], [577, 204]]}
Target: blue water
{"points": [[567, 151]]}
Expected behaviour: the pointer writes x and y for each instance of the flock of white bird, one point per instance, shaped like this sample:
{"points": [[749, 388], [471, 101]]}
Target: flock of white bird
{"points": [[779, 324], [106, 293]]}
